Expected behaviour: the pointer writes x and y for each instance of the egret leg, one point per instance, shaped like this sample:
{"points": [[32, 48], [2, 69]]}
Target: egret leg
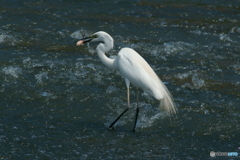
{"points": [[136, 117], [128, 97], [112, 124]]}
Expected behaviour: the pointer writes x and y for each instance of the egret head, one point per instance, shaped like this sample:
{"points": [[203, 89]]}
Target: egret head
{"points": [[98, 36]]}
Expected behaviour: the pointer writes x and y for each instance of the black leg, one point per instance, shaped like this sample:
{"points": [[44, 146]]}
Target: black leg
{"points": [[112, 124], [136, 117], [137, 110], [128, 99]]}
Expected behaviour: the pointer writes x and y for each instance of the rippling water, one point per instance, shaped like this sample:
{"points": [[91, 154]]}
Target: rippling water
{"points": [[57, 99]]}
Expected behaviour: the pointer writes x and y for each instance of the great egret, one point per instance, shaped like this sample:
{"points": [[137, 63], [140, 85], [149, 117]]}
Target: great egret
{"points": [[135, 70]]}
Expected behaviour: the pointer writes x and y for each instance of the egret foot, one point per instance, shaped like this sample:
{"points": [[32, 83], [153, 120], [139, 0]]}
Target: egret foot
{"points": [[111, 128]]}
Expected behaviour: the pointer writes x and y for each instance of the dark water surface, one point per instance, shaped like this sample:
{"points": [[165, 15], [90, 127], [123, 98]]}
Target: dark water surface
{"points": [[57, 99]]}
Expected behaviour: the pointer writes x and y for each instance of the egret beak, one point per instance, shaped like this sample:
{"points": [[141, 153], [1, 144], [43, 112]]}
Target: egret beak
{"points": [[84, 40]]}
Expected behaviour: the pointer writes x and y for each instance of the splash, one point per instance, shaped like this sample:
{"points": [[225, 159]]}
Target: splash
{"points": [[41, 77], [14, 71]]}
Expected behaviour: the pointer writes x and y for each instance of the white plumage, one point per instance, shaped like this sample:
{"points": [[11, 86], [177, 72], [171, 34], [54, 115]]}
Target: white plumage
{"points": [[135, 70]]}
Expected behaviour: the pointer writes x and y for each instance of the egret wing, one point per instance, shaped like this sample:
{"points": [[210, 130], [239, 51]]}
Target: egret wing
{"points": [[133, 67]]}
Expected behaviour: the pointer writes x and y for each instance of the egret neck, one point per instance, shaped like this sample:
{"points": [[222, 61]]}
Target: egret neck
{"points": [[103, 48]]}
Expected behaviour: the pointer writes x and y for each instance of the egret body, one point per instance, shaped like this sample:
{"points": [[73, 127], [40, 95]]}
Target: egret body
{"points": [[134, 69]]}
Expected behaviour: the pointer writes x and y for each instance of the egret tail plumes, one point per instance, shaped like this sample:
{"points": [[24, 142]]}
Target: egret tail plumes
{"points": [[166, 103]]}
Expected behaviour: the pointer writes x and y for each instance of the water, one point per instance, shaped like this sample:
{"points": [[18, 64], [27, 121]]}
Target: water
{"points": [[57, 99]]}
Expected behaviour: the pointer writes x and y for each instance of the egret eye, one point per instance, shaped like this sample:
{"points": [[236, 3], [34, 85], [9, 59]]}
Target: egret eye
{"points": [[94, 36]]}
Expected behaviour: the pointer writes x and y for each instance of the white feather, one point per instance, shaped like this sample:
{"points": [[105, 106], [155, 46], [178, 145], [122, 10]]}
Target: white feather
{"points": [[133, 67]]}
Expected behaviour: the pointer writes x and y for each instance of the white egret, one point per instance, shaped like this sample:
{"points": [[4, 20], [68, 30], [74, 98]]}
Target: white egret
{"points": [[135, 70]]}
